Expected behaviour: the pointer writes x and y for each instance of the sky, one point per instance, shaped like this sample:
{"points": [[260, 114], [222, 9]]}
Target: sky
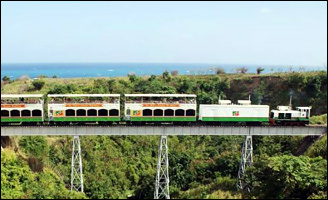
{"points": [[271, 33]]}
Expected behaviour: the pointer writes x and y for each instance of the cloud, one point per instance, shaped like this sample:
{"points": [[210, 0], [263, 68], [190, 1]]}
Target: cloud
{"points": [[265, 10]]}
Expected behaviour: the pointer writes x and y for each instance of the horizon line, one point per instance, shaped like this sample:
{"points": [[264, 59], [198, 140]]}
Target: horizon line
{"points": [[212, 63]]}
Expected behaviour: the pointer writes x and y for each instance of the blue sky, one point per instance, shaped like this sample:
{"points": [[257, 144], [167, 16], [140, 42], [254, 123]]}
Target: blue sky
{"points": [[272, 33]]}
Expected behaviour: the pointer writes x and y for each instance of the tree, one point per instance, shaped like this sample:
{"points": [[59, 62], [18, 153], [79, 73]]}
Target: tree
{"points": [[152, 77], [132, 78], [19, 182], [38, 84], [259, 70], [6, 79], [167, 76], [289, 177], [42, 76], [219, 71]]}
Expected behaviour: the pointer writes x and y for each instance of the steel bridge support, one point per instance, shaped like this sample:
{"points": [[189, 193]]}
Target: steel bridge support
{"points": [[246, 161], [162, 176], [76, 167]]}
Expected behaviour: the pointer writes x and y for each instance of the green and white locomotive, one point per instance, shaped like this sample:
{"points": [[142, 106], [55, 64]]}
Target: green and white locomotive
{"points": [[286, 116]]}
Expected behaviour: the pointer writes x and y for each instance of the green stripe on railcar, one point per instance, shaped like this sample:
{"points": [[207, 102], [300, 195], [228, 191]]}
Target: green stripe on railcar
{"points": [[22, 119], [292, 119], [163, 119], [87, 119]]}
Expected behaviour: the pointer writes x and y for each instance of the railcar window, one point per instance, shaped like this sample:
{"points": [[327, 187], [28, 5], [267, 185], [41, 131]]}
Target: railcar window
{"points": [[4, 113], [70, 113], [191, 100], [81, 113], [92, 113], [36, 113], [191, 112], [288, 115], [147, 112], [15, 113], [179, 113], [147, 100], [128, 111], [114, 112], [281, 116], [103, 113], [26, 113], [169, 112], [21, 101], [158, 112], [272, 115]]}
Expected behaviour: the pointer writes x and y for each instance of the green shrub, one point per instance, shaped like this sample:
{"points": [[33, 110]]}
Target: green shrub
{"points": [[38, 84]]}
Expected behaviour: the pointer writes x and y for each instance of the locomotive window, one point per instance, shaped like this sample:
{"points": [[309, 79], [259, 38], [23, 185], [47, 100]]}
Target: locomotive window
{"points": [[281, 116], [169, 112], [26, 113], [179, 113], [272, 115], [128, 111], [103, 113], [4, 113], [158, 112], [190, 112], [92, 113], [81, 113], [147, 112], [70, 113], [114, 112], [288, 115], [15, 113], [36, 113]]}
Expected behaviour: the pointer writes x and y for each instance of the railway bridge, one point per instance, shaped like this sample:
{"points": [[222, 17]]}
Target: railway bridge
{"points": [[162, 175]]}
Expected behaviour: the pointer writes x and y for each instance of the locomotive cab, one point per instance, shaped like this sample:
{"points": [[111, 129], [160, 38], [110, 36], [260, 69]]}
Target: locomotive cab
{"points": [[286, 116]]}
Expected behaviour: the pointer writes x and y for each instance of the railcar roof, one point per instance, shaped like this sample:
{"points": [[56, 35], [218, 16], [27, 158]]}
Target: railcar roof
{"points": [[21, 95], [83, 95], [234, 105], [303, 107], [285, 111], [160, 95], [225, 101]]}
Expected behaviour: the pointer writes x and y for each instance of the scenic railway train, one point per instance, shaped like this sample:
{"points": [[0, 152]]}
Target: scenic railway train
{"points": [[141, 109]]}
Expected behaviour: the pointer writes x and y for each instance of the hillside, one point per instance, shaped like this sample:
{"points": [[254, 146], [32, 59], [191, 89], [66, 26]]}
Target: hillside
{"points": [[200, 166], [307, 88]]}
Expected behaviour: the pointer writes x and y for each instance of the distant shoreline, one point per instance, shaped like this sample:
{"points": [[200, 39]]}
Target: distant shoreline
{"points": [[89, 70]]}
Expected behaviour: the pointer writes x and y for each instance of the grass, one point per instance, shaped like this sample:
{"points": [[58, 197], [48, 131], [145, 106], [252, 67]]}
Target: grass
{"points": [[321, 119]]}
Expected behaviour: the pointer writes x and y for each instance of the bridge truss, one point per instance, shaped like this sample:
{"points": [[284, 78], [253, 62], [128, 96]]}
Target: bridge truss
{"points": [[162, 175]]}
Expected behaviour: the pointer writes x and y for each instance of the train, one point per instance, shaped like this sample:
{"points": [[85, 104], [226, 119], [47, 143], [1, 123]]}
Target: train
{"points": [[141, 109]]}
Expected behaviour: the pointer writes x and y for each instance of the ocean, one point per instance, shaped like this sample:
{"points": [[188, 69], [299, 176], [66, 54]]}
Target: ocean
{"points": [[75, 70]]}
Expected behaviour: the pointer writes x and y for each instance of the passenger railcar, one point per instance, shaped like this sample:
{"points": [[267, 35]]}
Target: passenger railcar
{"points": [[160, 108], [84, 108], [17, 108]]}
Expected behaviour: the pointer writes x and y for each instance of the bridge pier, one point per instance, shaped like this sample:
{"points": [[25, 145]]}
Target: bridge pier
{"points": [[76, 167], [162, 181], [246, 161]]}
